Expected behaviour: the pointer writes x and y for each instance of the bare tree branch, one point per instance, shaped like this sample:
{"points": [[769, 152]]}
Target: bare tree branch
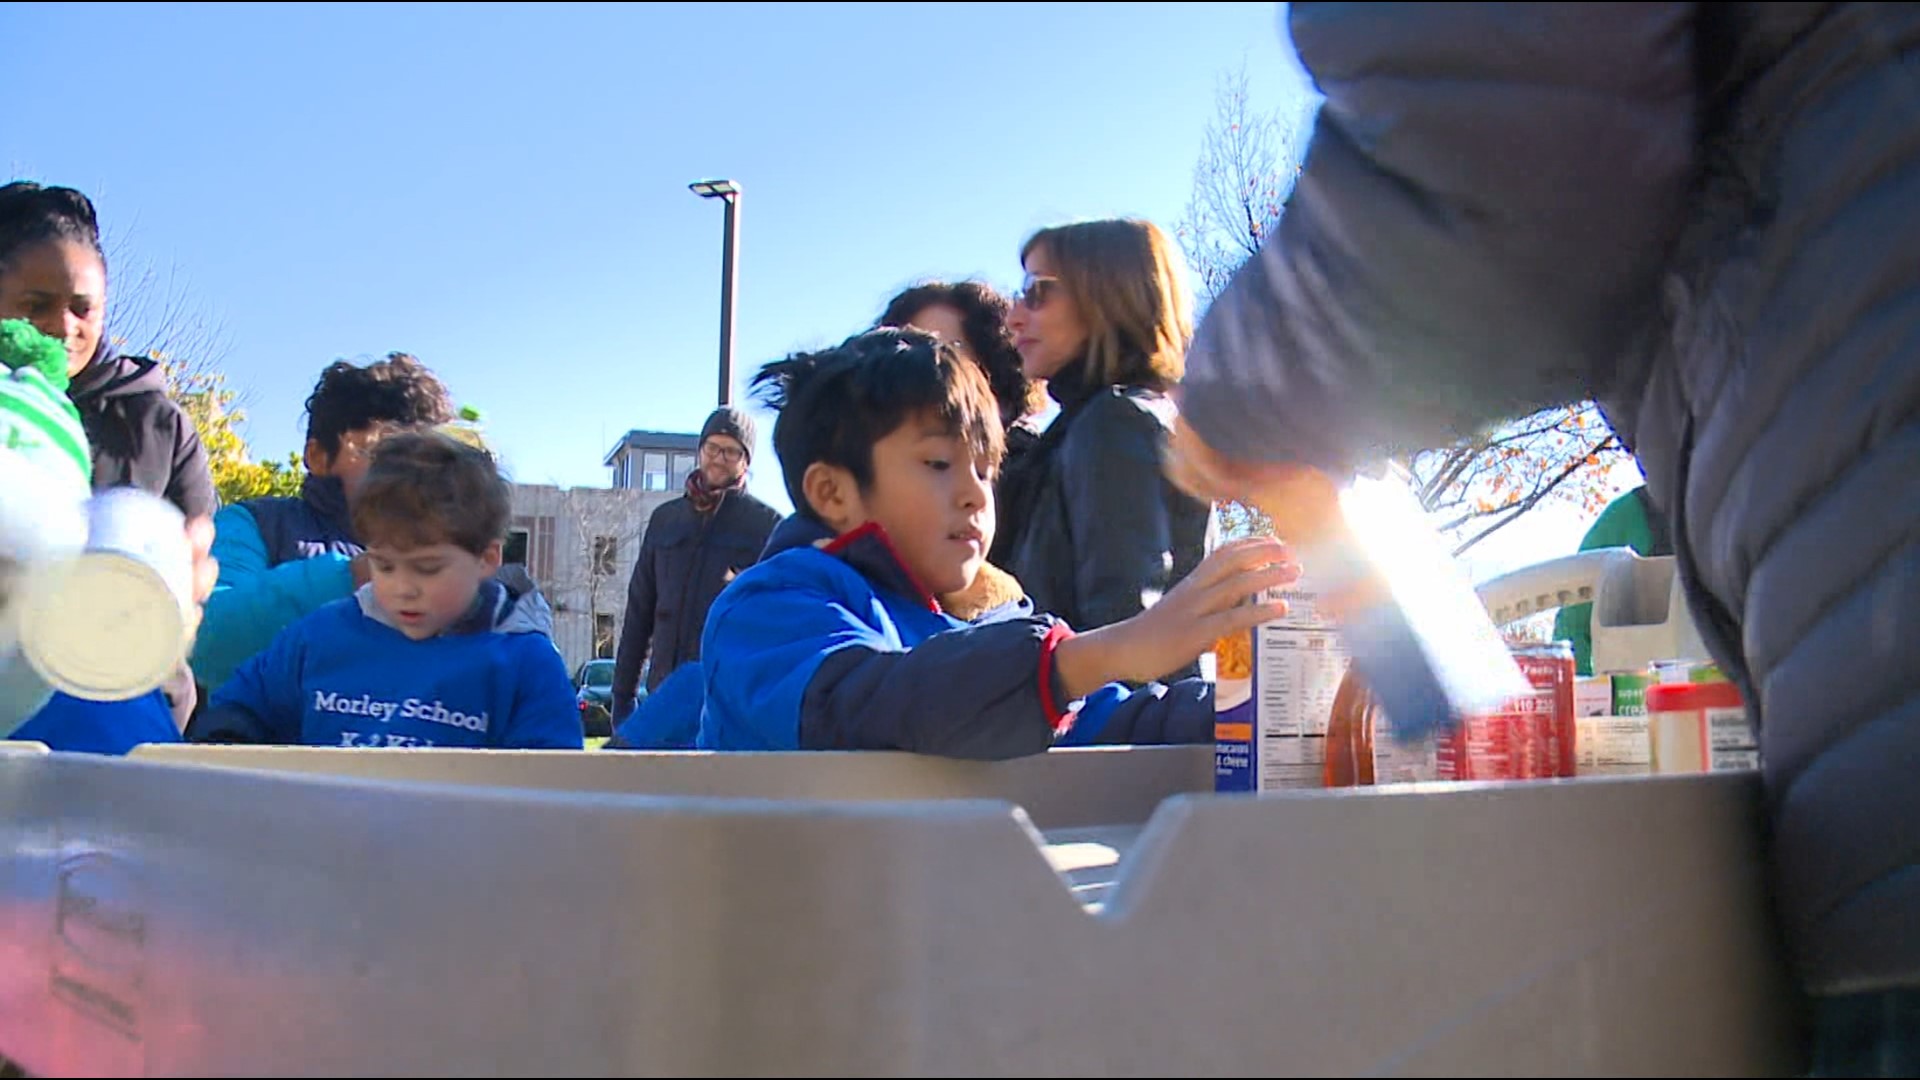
{"points": [[1248, 163], [153, 310], [1538, 495], [600, 516]]}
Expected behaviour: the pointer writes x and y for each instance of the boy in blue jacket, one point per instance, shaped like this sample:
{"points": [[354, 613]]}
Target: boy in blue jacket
{"points": [[432, 651], [889, 444]]}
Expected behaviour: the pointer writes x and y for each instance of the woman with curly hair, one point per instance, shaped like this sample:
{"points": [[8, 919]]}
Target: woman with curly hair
{"points": [[973, 317]]}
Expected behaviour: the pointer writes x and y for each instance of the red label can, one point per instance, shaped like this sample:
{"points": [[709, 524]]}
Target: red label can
{"points": [[1493, 745], [1550, 669]]}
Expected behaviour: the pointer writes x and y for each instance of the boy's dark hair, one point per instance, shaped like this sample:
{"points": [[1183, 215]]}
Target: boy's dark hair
{"points": [[31, 214], [426, 487], [983, 319], [835, 404], [398, 390]]}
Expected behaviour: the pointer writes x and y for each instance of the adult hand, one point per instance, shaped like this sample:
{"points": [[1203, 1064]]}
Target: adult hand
{"points": [[1302, 502], [206, 569]]}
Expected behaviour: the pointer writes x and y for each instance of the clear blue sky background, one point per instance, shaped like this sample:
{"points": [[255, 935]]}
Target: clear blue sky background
{"points": [[501, 189]]}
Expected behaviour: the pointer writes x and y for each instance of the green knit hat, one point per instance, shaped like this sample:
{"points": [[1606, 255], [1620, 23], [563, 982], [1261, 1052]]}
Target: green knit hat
{"points": [[37, 418]]}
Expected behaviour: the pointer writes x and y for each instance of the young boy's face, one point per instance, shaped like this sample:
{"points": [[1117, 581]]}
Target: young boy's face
{"points": [[427, 589], [933, 498]]}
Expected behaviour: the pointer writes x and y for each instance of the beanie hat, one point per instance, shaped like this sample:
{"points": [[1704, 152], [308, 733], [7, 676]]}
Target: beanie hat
{"points": [[732, 422], [37, 418]]}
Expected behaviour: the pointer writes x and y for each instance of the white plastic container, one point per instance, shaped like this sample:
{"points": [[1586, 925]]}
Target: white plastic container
{"points": [[1700, 727]]}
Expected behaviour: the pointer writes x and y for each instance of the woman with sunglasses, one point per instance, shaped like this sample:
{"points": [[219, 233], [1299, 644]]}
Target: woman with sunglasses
{"points": [[1088, 522]]}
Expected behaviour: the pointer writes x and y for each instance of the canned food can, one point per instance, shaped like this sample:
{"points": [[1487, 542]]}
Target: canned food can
{"points": [[1549, 667], [113, 622]]}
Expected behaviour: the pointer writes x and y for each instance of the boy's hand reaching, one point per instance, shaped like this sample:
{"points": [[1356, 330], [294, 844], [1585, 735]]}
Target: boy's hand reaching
{"points": [[1214, 601]]}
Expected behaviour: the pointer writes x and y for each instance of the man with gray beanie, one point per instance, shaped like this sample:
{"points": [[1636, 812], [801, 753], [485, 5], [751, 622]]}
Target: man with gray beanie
{"points": [[693, 546]]}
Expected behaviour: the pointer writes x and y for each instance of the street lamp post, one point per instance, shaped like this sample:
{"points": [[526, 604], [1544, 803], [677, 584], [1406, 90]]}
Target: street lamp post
{"points": [[727, 192]]}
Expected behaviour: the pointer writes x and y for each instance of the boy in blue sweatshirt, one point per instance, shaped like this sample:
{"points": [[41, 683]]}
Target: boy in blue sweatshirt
{"points": [[282, 557], [432, 651], [889, 444]]}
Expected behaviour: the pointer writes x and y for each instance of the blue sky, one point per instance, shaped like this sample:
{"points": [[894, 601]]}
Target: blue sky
{"points": [[502, 189]]}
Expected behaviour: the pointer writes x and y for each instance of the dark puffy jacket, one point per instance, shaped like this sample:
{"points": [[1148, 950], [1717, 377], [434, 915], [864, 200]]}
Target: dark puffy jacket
{"points": [[1706, 216], [1091, 526], [316, 522], [140, 437], [685, 559], [838, 648]]}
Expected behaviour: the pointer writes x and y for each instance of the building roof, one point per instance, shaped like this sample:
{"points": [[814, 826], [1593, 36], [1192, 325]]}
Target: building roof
{"points": [[639, 439]]}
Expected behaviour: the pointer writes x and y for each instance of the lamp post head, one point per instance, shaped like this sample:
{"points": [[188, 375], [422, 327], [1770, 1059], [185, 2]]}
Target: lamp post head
{"points": [[714, 189]]}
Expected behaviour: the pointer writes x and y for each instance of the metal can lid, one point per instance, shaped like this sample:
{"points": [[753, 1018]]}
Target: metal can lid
{"points": [[105, 627], [1546, 650]]}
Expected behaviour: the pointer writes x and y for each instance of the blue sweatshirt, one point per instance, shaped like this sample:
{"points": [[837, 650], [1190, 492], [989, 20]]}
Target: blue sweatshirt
{"points": [[79, 726], [837, 648], [344, 676], [668, 718]]}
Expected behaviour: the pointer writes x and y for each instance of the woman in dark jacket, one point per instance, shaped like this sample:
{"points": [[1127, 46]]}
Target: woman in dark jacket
{"points": [[1706, 217], [1089, 523], [53, 273]]}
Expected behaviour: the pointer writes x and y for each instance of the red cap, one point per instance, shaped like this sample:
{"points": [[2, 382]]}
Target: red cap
{"points": [[1690, 697]]}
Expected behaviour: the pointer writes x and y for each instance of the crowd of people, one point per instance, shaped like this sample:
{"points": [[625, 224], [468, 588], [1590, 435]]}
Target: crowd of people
{"points": [[1693, 214], [373, 608]]}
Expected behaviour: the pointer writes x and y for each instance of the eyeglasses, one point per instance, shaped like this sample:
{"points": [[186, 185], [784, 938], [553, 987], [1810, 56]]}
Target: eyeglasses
{"points": [[1034, 292], [725, 454]]}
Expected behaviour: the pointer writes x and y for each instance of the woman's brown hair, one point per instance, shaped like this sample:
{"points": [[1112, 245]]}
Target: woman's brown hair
{"points": [[1126, 277]]}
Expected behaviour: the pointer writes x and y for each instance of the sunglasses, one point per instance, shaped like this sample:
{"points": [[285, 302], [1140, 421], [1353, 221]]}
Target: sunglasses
{"points": [[1034, 292]]}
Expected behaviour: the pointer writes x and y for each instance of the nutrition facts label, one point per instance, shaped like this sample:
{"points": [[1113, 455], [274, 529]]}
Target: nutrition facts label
{"points": [[1730, 741], [1296, 675], [1293, 762], [1272, 734], [1612, 746], [1303, 609]]}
